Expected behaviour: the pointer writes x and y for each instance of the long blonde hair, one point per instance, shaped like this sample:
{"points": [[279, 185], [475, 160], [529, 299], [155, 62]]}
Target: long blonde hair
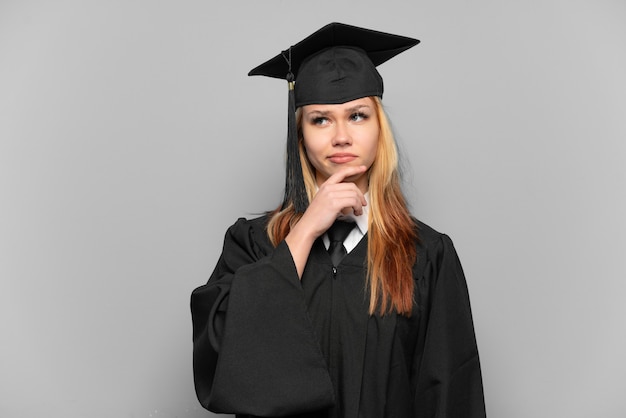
{"points": [[392, 233]]}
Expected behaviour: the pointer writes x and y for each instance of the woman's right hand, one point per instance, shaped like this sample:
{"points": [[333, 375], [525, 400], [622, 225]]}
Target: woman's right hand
{"points": [[334, 198]]}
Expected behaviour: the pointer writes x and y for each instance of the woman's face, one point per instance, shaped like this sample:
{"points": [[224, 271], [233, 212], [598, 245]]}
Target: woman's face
{"points": [[341, 135]]}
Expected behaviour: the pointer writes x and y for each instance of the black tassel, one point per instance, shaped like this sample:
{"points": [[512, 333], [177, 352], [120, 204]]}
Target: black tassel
{"points": [[295, 191]]}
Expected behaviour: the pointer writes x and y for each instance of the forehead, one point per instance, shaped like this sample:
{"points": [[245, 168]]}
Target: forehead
{"points": [[342, 107]]}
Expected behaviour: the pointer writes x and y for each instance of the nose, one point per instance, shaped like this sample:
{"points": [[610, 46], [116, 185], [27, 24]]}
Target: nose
{"points": [[342, 135]]}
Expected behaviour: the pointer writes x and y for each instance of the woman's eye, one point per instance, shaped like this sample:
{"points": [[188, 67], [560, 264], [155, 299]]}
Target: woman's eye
{"points": [[358, 117], [320, 120]]}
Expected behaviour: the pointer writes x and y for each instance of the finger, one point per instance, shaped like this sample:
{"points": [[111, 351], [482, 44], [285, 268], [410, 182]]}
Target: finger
{"points": [[349, 202], [352, 206], [345, 172], [341, 190]]}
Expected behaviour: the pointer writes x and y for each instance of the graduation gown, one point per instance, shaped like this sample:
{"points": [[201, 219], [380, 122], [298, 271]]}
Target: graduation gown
{"points": [[268, 344]]}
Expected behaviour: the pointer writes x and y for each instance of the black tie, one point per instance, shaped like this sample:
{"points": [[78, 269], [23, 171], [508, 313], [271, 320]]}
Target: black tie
{"points": [[337, 233]]}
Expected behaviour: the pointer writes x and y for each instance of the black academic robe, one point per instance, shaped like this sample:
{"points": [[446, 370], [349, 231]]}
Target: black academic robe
{"points": [[270, 345]]}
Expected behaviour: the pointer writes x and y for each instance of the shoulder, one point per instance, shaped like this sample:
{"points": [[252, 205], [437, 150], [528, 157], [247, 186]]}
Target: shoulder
{"points": [[250, 233], [432, 245], [429, 236], [258, 223]]}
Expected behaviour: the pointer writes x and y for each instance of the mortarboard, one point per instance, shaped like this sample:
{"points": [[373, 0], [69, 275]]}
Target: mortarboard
{"points": [[334, 65]]}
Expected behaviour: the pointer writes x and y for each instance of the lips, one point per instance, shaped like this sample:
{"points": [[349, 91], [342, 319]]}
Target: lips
{"points": [[342, 158]]}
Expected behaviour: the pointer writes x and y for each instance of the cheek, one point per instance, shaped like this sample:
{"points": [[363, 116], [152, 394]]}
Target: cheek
{"points": [[310, 154], [312, 145], [372, 144]]}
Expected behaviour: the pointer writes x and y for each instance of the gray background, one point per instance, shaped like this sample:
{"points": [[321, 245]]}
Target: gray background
{"points": [[130, 138]]}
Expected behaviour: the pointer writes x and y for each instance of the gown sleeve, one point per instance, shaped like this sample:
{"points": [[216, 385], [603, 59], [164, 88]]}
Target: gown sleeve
{"points": [[255, 351], [446, 364]]}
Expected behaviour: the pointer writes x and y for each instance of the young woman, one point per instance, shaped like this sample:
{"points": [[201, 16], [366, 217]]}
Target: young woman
{"points": [[338, 303]]}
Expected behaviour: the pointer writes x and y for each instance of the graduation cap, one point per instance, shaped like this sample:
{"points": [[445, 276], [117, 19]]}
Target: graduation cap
{"points": [[334, 65]]}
